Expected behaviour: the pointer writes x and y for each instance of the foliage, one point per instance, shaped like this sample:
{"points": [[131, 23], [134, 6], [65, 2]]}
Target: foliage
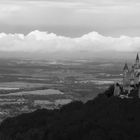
{"points": [[104, 118]]}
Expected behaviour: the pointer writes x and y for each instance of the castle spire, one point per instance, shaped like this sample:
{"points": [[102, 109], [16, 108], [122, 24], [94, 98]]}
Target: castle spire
{"points": [[125, 67], [137, 58]]}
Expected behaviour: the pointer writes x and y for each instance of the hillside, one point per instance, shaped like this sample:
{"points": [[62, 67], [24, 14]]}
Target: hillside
{"points": [[104, 118]]}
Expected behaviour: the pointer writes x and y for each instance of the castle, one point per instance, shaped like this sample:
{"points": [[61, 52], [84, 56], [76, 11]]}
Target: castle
{"points": [[131, 77], [130, 82]]}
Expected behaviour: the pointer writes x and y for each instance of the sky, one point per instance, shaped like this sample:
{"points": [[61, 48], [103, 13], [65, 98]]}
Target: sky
{"points": [[69, 26], [71, 18]]}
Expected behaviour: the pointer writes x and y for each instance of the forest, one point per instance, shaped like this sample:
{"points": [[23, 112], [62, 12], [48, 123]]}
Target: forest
{"points": [[104, 118]]}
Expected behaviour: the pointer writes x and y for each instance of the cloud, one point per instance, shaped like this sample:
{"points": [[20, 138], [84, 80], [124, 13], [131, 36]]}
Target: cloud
{"points": [[122, 16], [44, 42]]}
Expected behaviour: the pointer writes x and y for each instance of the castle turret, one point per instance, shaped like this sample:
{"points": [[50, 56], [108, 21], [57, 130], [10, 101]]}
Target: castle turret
{"points": [[137, 61], [137, 70], [132, 77], [125, 69], [126, 81], [137, 58], [117, 90]]}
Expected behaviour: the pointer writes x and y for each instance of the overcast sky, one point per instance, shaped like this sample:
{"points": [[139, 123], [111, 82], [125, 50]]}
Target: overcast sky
{"points": [[71, 17], [70, 25]]}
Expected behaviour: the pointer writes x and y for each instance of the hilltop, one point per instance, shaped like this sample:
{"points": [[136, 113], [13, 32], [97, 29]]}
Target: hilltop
{"points": [[103, 118]]}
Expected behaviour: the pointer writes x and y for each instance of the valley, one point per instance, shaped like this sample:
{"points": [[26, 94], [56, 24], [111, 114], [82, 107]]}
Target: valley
{"points": [[27, 85]]}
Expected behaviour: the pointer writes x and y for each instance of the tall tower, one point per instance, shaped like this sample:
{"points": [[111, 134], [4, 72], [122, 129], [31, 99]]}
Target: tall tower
{"points": [[137, 70], [137, 61], [132, 77], [126, 81]]}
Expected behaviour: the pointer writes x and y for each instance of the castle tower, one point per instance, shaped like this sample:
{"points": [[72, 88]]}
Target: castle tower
{"points": [[132, 77], [137, 70], [137, 61], [117, 90], [126, 80]]}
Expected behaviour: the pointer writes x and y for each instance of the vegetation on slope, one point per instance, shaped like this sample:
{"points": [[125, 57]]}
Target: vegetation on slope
{"points": [[104, 118]]}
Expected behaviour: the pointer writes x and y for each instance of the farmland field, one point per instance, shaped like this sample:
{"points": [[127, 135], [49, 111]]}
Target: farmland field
{"points": [[26, 85]]}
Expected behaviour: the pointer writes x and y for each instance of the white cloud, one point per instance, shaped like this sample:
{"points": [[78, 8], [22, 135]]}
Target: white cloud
{"points": [[42, 42]]}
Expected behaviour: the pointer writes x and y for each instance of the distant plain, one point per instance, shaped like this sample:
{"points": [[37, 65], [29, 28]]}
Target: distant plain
{"points": [[26, 85]]}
